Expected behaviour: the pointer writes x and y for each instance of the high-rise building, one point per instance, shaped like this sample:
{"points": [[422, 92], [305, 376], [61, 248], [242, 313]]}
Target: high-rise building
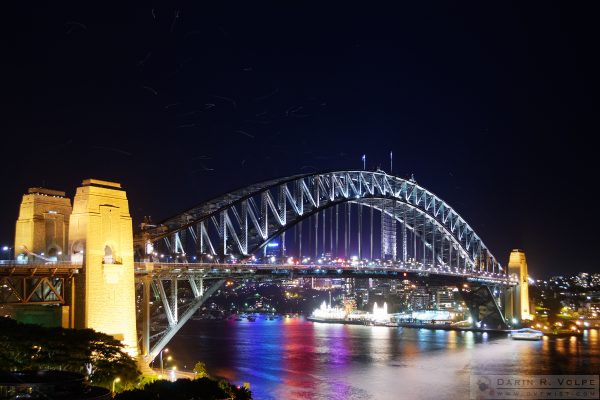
{"points": [[419, 298], [444, 298]]}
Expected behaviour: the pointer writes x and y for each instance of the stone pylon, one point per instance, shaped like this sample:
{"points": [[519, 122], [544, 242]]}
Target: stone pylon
{"points": [[101, 235], [43, 226], [517, 297]]}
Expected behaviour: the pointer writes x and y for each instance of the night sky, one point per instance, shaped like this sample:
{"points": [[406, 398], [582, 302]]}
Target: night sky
{"points": [[490, 107]]}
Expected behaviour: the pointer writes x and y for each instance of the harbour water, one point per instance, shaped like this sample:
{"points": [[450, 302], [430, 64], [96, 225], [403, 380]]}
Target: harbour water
{"points": [[292, 358]]}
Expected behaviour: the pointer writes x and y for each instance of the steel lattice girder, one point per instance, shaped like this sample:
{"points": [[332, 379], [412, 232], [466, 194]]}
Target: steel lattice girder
{"points": [[245, 220], [32, 290], [176, 316]]}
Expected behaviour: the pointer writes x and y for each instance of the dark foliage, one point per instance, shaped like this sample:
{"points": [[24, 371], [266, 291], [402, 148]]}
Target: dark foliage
{"points": [[185, 389], [33, 347]]}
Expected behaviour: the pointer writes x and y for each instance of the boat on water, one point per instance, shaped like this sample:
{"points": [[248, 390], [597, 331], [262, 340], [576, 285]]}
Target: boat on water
{"points": [[251, 318], [562, 333], [526, 334]]}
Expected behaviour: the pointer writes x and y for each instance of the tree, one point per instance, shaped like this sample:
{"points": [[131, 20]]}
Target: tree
{"points": [[33, 347], [185, 389], [200, 370]]}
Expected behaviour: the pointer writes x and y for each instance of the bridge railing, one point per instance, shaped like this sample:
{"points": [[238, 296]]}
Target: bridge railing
{"points": [[154, 267], [38, 262], [141, 268], [50, 268]]}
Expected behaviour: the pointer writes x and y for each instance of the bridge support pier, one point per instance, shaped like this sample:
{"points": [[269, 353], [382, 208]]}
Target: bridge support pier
{"points": [[146, 316], [174, 327], [174, 290], [484, 310]]}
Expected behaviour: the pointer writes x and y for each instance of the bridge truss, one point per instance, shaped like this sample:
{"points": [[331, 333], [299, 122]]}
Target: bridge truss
{"points": [[169, 298], [243, 222], [36, 283]]}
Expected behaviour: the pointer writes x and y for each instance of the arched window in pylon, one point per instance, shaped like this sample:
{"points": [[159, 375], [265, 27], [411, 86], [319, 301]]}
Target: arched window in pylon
{"points": [[53, 253], [108, 255], [77, 251]]}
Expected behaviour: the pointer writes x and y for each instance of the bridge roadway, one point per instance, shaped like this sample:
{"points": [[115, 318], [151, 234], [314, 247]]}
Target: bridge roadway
{"points": [[46, 283], [167, 270], [216, 270]]}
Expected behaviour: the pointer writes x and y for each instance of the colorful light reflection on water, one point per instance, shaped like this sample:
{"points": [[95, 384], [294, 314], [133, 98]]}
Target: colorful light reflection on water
{"points": [[291, 358]]}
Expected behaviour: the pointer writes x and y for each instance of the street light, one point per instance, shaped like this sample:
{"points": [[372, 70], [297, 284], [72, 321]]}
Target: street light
{"points": [[7, 249], [162, 369], [117, 379]]}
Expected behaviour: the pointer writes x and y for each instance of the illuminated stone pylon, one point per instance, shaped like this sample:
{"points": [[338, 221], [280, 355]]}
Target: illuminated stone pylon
{"points": [[43, 225], [101, 236], [517, 298]]}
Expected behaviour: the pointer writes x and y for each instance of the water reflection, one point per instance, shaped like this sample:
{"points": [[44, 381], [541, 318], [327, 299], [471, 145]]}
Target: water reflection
{"points": [[296, 359]]}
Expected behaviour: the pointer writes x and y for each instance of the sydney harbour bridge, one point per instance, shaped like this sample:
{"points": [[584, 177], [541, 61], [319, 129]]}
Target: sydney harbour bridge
{"points": [[342, 224]]}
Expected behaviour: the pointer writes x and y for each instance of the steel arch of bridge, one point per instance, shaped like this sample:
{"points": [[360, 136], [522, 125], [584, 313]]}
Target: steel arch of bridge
{"points": [[245, 220]]}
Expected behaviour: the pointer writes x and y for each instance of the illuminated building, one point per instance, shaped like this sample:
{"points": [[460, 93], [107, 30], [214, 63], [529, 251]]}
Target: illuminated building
{"points": [[419, 298], [444, 298]]}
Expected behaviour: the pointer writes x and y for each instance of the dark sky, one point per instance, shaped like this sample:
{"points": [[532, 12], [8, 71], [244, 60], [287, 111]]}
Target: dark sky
{"points": [[491, 107]]}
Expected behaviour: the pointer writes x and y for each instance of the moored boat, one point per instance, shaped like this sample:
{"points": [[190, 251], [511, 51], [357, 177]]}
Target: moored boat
{"points": [[526, 334]]}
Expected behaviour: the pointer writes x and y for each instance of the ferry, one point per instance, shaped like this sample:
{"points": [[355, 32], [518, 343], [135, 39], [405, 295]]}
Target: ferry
{"points": [[526, 334]]}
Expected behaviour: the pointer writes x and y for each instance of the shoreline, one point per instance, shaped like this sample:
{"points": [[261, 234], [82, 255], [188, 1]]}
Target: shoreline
{"points": [[439, 327], [409, 325]]}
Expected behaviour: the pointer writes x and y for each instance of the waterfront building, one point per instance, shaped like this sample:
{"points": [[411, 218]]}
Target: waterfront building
{"points": [[419, 298]]}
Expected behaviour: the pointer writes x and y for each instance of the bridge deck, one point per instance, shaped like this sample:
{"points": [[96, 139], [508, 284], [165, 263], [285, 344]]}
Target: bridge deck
{"points": [[59, 269], [324, 271], [184, 270]]}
